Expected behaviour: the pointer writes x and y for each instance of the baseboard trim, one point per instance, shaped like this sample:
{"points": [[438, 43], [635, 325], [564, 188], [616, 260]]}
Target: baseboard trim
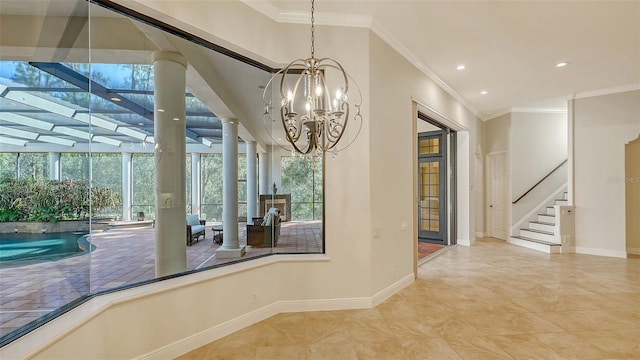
{"points": [[205, 337], [463, 242], [389, 291], [202, 338], [601, 252], [633, 251], [480, 235]]}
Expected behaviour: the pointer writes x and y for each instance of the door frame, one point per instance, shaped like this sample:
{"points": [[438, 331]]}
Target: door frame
{"points": [[450, 176], [442, 236], [489, 192]]}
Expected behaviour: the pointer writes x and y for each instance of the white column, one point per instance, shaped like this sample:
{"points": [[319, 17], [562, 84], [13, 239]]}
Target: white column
{"points": [[230, 245], [170, 154], [276, 169], [54, 166], [127, 186], [263, 175], [196, 170], [252, 179]]}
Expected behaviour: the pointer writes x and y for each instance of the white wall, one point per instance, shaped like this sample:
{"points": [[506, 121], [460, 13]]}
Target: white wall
{"points": [[538, 143], [369, 186], [602, 126], [393, 162], [496, 135]]}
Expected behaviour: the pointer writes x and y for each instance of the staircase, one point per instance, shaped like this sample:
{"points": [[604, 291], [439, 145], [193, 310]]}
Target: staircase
{"points": [[541, 233]]}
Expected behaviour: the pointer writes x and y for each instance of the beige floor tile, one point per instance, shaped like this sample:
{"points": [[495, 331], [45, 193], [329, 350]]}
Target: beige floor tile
{"points": [[525, 347], [617, 344], [428, 347], [281, 352], [344, 350], [573, 347], [589, 320], [489, 301], [477, 348], [510, 323]]}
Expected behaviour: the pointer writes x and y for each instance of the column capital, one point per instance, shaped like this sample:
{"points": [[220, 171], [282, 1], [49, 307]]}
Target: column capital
{"points": [[169, 56]]}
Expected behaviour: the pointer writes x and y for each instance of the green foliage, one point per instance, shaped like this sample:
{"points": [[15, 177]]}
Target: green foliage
{"points": [[144, 184], [302, 178], [40, 200]]}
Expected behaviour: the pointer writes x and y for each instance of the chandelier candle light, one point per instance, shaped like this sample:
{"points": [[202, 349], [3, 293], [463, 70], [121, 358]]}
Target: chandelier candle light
{"points": [[314, 115]]}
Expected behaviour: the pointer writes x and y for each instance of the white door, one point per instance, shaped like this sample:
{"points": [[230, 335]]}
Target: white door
{"points": [[497, 195]]}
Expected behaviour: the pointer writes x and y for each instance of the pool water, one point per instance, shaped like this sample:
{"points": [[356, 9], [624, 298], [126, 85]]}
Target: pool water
{"points": [[21, 248]]}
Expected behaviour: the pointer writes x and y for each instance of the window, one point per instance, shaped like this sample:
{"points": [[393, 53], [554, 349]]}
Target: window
{"points": [[302, 178], [98, 112]]}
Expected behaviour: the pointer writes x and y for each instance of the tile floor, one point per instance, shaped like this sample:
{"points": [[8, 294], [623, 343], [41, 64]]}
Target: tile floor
{"points": [[489, 301], [425, 249], [122, 256]]}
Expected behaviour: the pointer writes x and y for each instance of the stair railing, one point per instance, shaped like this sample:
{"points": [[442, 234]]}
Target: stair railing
{"points": [[541, 180]]}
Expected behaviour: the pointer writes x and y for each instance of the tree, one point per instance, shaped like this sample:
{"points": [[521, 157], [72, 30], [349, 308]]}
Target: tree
{"points": [[302, 178]]}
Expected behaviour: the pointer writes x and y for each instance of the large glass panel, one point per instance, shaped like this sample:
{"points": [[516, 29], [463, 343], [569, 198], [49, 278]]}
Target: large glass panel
{"points": [[144, 190], [79, 156], [44, 261], [430, 198]]}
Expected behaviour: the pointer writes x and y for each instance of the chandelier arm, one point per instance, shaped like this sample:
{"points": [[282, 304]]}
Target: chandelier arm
{"points": [[331, 63], [323, 118]]}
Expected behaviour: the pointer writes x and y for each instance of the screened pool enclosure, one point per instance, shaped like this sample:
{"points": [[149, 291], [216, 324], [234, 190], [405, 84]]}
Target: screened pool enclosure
{"points": [[114, 127]]}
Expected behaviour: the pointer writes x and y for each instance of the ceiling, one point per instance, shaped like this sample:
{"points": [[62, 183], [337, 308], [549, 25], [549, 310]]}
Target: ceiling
{"points": [[510, 48]]}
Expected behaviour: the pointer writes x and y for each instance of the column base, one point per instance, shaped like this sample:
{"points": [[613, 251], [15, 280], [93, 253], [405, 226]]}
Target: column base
{"points": [[223, 253]]}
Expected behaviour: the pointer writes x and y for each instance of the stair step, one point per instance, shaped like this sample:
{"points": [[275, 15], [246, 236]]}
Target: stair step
{"points": [[538, 231], [547, 218], [542, 225], [562, 202], [536, 241], [535, 244], [551, 210], [537, 234]]}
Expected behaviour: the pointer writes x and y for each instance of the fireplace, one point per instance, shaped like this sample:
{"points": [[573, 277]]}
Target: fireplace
{"points": [[279, 201]]}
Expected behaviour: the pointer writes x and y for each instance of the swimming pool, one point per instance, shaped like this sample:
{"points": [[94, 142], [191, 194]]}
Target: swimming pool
{"points": [[23, 248]]}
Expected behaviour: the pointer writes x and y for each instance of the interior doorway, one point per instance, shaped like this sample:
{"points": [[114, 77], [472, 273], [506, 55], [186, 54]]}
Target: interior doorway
{"points": [[436, 186], [497, 194]]}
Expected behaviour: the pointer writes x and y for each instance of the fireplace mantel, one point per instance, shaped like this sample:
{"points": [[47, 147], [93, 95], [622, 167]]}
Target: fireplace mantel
{"points": [[280, 201]]}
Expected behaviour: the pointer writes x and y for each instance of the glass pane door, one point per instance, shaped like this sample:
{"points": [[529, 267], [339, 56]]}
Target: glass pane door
{"points": [[431, 187]]}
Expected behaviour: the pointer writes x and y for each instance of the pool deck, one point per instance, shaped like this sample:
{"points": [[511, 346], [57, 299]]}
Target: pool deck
{"points": [[123, 255]]}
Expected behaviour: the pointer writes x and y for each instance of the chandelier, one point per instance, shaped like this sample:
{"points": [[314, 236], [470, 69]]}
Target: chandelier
{"points": [[315, 103]]}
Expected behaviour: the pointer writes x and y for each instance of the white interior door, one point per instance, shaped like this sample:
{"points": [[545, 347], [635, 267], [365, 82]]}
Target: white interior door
{"points": [[497, 195]]}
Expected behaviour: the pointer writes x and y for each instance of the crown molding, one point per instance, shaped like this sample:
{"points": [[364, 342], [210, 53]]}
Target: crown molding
{"points": [[539, 110], [362, 21], [323, 18], [386, 36], [607, 91]]}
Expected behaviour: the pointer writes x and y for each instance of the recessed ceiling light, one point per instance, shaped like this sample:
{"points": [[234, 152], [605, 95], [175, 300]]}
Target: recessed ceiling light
{"points": [[116, 99], [140, 124], [484, 92], [489, 113], [461, 67], [562, 64], [160, 110]]}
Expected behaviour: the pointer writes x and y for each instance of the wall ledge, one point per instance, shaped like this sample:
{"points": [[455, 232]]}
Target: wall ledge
{"points": [[39, 339]]}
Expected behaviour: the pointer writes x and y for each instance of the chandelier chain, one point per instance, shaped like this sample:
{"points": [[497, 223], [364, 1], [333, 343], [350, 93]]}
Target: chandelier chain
{"points": [[313, 38]]}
